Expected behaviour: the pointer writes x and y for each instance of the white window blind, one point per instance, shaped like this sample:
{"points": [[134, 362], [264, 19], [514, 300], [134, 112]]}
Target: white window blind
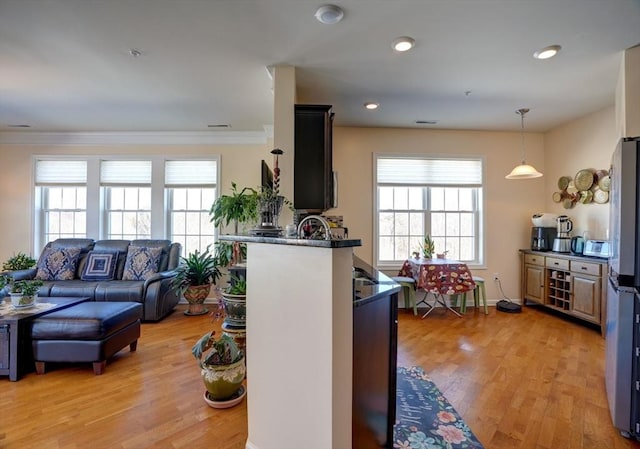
{"points": [[440, 172], [61, 172], [190, 173], [125, 173]]}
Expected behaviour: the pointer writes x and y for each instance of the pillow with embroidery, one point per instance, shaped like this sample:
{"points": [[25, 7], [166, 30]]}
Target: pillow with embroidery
{"points": [[100, 266], [57, 264], [141, 263]]}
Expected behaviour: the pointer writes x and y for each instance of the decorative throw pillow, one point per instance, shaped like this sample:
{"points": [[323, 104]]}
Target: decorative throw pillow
{"points": [[57, 264], [100, 266], [141, 263]]}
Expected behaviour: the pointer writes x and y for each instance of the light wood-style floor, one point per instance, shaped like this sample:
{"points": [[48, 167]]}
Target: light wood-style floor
{"points": [[528, 381]]}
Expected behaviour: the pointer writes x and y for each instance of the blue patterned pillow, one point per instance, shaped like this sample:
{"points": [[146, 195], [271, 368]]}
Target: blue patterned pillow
{"points": [[141, 263], [100, 266], [57, 264]]}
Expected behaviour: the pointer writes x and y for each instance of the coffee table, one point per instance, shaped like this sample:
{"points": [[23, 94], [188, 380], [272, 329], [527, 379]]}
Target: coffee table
{"points": [[16, 355]]}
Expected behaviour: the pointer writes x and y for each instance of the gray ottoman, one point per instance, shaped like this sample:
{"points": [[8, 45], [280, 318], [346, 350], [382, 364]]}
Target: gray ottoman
{"points": [[86, 332]]}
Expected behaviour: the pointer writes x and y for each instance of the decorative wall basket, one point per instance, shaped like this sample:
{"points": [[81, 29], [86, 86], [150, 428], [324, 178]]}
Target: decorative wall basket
{"points": [[586, 187]]}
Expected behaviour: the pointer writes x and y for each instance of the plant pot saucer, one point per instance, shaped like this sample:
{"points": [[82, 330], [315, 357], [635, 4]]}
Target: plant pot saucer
{"points": [[237, 397], [202, 312]]}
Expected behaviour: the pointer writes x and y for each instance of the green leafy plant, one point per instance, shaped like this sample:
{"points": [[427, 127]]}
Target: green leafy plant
{"points": [[428, 247], [239, 207], [238, 286], [211, 351], [19, 261], [26, 287], [198, 268], [230, 253]]}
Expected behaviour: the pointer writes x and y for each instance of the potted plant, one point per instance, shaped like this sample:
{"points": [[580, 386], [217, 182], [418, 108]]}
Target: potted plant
{"points": [[194, 277], [238, 208], [17, 262], [234, 299], [24, 293], [222, 366], [428, 247]]}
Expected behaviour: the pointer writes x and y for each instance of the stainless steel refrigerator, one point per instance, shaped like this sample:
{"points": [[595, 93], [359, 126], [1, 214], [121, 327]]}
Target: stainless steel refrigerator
{"points": [[622, 375]]}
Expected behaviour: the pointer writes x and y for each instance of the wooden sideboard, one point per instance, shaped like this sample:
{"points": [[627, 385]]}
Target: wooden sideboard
{"points": [[569, 284]]}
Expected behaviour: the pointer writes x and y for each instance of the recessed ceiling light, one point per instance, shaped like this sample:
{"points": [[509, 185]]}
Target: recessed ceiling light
{"points": [[219, 126], [371, 105], [426, 122], [135, 52], [547, 52], [19, 126], [403, 43], [329, 14]]}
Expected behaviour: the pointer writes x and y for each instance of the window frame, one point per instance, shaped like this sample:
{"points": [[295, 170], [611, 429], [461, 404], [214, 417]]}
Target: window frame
{"points": [[96, 226], [479, 198]]}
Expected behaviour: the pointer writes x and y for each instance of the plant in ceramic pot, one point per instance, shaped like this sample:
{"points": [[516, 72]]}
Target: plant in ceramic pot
{"points": [[234, 299], [24, 293], [194, 277], [428, 247], [222, 366]]}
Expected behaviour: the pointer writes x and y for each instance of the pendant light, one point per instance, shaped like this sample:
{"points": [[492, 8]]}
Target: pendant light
{"points": [[523, 171]]}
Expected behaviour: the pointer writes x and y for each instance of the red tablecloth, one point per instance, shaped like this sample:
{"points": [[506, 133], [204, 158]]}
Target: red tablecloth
{"points": [[440, 276]]}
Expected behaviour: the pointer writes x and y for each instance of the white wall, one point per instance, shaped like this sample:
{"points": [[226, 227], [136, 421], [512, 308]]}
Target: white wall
{"points": [[586, 143]]}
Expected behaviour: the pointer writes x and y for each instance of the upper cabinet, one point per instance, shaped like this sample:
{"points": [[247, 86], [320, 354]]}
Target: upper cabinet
{"points": [[313, 189]]}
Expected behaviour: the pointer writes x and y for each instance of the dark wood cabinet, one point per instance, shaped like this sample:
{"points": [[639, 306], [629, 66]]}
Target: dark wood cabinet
{"points": [[313, 165]]}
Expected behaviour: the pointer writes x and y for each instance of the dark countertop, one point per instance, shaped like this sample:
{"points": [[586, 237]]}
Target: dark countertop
{"points": [[337, 243], [566, 255], [378, 284]]}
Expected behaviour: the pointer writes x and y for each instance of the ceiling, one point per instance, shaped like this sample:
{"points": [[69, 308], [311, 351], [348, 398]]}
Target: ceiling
{"points": [[66, 65]]}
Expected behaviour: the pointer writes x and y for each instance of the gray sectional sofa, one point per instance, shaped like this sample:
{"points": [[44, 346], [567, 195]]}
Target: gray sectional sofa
{"points": [[91, 275]]}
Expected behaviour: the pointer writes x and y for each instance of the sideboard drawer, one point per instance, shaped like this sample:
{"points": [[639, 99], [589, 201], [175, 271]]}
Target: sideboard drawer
{"points": [[586, 267], [561, 264], [533, 259]]}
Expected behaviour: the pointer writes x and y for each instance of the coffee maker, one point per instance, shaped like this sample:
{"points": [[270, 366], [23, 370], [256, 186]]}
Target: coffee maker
{"points": [[543, 232], [562, 242], [542, 238]]}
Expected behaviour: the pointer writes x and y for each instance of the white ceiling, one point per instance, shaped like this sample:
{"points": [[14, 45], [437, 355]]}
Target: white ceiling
{"points": [[65, 65]]}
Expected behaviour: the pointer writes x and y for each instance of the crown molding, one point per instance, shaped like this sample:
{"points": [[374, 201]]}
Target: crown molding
{"points": [[137, 138]]}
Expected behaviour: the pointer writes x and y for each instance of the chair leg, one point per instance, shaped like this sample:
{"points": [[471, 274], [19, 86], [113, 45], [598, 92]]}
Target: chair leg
{"points": [[484, 298], [412, 300], [463, 304]]}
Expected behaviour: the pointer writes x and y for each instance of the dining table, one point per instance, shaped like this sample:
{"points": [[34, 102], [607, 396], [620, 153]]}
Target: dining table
{"points": [[441, 277]]}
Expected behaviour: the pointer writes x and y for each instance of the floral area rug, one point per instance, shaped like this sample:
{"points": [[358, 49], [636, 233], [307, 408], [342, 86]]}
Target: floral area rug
{"points": [[424, 417]]}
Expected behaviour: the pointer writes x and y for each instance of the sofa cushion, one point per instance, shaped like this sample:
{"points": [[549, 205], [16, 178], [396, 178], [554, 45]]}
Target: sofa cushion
{"points": [[164, 245], [122, 246], [57, 264], [100, 266], [142, 263]]}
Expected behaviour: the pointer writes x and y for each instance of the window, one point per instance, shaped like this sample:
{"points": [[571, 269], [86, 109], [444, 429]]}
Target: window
{"points": [[125, 198], [127, 194], [441, 197], [61, 198], [191, 190]]}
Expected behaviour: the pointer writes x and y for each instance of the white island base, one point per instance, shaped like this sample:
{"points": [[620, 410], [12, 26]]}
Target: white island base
{"points": [[299, 346]]}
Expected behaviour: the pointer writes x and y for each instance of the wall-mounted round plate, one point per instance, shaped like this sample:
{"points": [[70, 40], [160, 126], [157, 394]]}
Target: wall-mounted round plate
{"points": [[583, 180]]}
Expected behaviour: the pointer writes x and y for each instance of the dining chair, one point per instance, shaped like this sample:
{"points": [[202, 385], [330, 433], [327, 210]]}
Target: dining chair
{"points": [[408, 292], [479, 293]]}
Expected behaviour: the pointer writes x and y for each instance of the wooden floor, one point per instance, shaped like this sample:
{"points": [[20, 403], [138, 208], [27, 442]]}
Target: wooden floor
{"points": [[530, 381]]}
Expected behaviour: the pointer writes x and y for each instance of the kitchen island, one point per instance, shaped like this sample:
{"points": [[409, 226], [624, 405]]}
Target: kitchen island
{"points": [[300, 341]]}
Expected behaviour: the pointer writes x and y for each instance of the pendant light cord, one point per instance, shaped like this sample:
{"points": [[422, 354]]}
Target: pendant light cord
{"points": [[522, 112]]}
